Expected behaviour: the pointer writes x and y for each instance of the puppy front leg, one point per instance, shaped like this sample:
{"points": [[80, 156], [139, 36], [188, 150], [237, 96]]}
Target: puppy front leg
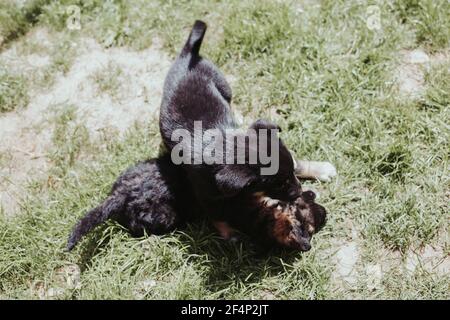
{"points": [[319, 170]]}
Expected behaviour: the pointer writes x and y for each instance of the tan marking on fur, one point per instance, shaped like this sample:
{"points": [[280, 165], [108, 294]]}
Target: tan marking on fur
{"points": [[307, 169], [284, 221], [259, 195], [223, 229]]}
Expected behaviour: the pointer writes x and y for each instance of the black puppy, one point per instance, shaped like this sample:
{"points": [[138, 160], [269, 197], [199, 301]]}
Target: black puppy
{"points": [[195, 90], [154, 197], [149, 197], [270, 208]]}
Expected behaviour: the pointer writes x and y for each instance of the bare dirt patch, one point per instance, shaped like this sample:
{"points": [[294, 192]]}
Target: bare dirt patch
{"points": [[142, 79], [410, 74], [346, 258], [26, 134]]}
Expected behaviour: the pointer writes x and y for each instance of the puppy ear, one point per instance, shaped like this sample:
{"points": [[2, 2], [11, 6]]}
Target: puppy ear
{"points": [[265, 142], [264, 124], [231, 179], [309, 196]]}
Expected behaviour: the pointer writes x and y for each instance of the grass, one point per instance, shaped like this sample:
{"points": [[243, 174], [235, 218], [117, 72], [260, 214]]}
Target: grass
{"points": [[109, 80], [16, 85], [12, 22], [328, 79], [69, 139], [13, 91], [438, 79], [16, 20], [19, 75], [430, 18]]}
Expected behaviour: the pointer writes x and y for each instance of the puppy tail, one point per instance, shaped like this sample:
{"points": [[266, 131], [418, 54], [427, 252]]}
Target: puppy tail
{"points": [[94, 217], [192, 46]]}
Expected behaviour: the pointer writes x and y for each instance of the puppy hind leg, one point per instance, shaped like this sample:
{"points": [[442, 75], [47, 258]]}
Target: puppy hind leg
{"points": [[320, 170], [218, 78]]}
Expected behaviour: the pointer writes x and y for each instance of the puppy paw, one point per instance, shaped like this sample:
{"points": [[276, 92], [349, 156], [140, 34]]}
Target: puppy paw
{"points": [[326, 171], [320, 170]]}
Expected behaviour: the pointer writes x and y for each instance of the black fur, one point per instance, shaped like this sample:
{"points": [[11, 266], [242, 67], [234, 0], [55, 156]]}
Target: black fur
{"points": [[150, 197], [196, 90], [154, 197]]}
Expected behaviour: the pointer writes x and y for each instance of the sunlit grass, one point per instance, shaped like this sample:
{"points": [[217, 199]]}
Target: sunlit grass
{"points": [[328, 80]]}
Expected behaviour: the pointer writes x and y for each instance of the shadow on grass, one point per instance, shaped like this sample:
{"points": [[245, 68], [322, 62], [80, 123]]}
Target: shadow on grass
{"points": [[92, 246], [227, 263], [235, 263]]}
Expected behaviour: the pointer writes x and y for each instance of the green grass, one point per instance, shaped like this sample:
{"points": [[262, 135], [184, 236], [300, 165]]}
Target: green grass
{"points": [[429, 18], [16, 21], [11, 21], [15, 85], [13, 91], [69, 138], [329, 80], [109, 80], [438, 79]]}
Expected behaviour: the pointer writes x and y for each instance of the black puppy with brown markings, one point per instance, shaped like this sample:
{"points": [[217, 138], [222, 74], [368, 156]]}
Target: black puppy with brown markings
{"points": [[196, 90], [154, 197]]}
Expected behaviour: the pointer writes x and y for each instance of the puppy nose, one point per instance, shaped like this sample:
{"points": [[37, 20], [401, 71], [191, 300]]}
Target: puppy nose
{"points": [[305, 247]]}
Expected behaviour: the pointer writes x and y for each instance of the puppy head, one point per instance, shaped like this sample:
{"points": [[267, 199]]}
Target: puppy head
{"points": [[284, 185], [311, 214], [263, 150], [292, 224], [268, 167]]}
